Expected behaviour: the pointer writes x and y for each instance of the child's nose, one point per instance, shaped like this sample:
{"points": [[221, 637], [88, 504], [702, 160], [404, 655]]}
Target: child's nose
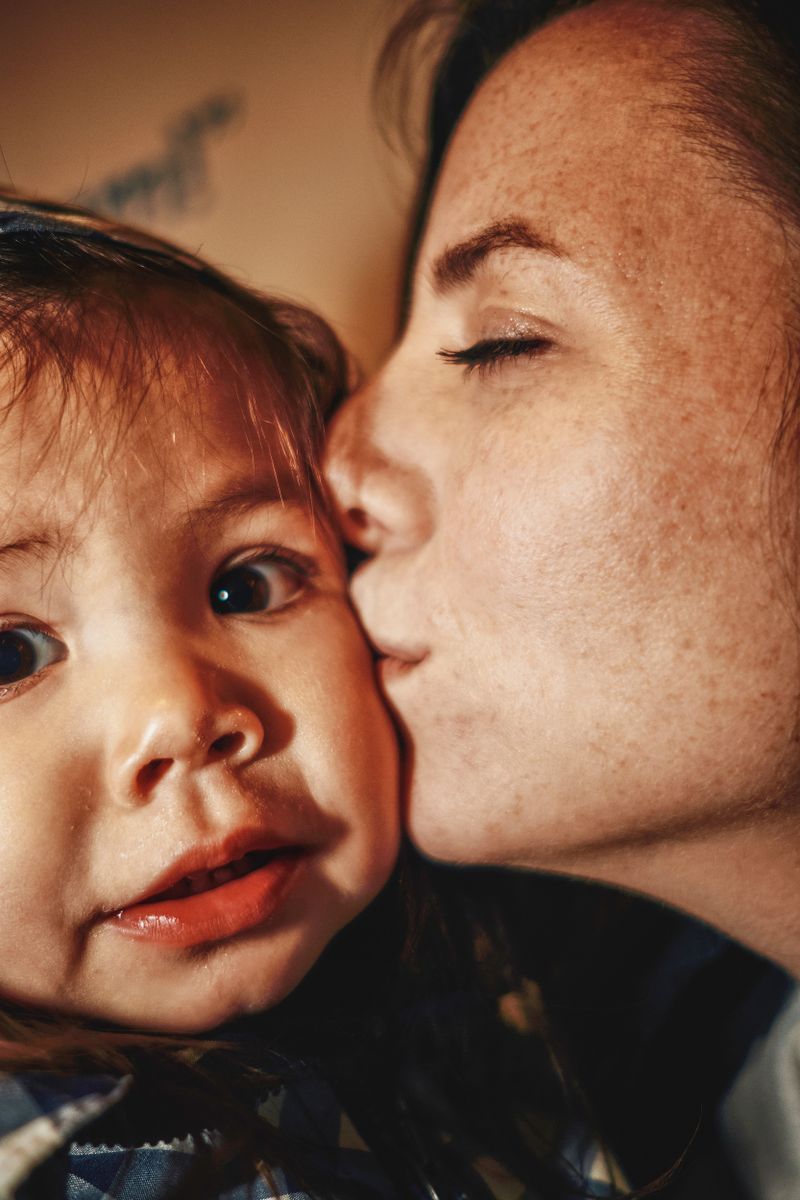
{"points": [[176, 729]]}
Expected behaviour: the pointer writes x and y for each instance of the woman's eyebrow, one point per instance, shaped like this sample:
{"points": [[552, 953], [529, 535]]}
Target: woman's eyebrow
{"points": [[456, 265]]}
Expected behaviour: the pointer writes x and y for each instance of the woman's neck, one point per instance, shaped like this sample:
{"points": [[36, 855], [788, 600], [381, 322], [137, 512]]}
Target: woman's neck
{"points": [[745, 881]]}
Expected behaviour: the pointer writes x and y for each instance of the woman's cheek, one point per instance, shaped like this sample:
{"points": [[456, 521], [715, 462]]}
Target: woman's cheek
{"points": [[556, 527]]}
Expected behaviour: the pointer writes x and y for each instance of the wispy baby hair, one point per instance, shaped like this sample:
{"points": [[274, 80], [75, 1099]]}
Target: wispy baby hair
{"points": [[78, 291]]}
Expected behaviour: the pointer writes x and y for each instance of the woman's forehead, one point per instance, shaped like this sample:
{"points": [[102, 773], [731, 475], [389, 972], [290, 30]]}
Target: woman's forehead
{"points": [[580, 102], [580, 132]]}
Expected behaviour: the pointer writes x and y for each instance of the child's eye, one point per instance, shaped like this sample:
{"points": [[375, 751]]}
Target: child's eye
{"points": [[260, 585], [490, 352], [25, 652]]}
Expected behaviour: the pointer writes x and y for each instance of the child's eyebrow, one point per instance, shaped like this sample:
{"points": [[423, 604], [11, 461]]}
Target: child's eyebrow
{"points": [[240, 499], [40, 545]]}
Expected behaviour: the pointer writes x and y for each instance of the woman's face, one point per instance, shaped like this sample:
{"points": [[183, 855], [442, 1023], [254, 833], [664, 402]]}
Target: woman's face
{"points": [[563, 471]]}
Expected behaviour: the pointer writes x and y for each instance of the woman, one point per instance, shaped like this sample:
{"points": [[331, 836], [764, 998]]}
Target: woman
{"points": [[576, 474]]}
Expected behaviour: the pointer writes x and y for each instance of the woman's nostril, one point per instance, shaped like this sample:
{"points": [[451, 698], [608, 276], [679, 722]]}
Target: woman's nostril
{"points": [[358, 518], [226, 745], [354, 557], [150, 774]]}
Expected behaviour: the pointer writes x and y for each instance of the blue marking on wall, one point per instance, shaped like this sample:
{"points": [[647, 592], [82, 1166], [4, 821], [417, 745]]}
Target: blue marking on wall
{"points": [[174, 181]]}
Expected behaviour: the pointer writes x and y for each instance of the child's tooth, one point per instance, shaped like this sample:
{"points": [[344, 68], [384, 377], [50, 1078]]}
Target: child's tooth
{"points": [[198, 883], [222, 874]]}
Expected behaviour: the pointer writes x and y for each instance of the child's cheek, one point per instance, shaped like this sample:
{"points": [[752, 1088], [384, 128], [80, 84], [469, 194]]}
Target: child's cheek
{"points": [[47, 817], [347, 748], [68, 843]]}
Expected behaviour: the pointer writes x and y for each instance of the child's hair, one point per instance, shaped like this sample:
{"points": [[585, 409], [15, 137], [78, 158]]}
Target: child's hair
{"points": [[401, 1012], [80, 291]]}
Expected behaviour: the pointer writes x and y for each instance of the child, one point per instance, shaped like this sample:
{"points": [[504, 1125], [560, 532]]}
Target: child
{"points": [[198, 779]]}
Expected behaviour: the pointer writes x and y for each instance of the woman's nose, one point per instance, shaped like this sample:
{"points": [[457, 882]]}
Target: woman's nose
{"points": [[383, 499], [173, 725]]}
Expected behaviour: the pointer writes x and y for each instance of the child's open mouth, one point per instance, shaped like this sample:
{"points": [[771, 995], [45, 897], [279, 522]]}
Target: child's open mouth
{"points": [[204, 881], [208, 906]]}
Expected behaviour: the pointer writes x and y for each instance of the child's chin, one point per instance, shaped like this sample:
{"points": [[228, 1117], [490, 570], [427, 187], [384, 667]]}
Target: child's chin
{"points": [[182, 1024], [190, 1021], [209, 999]]}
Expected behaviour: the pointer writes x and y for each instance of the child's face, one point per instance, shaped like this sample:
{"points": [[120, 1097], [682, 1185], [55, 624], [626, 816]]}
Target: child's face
{"points": [[197, 780]]}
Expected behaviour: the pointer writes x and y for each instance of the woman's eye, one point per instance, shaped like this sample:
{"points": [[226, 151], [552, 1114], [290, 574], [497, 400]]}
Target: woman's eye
{"points": [[25, 652], [261, 585], [482, 356]]}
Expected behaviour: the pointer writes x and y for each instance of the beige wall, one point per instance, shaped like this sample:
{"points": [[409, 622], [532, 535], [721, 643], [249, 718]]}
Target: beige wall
{"points": [[240, 128]]}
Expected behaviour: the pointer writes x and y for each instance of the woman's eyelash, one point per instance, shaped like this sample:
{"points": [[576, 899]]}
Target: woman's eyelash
{"points": [[489, 351]]}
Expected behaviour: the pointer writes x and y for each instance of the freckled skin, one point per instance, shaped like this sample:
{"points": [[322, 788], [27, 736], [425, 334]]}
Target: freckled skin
{"points": [[582, 542], [151, 673]]}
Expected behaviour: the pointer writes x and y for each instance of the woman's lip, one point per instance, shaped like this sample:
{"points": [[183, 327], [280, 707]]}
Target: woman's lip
{"points": [[210, 916], [391, 667], [411, 655]]}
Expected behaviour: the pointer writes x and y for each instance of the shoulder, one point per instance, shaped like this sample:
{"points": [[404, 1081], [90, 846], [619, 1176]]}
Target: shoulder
{"points": [[760, 1116]]}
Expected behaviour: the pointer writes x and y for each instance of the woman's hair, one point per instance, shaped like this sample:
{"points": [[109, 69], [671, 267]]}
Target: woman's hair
{"points": [[401, 1013]]}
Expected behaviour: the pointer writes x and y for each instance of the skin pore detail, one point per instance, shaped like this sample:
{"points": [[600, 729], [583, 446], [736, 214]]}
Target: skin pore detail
{"points": [[564, 475], [168, 613]]}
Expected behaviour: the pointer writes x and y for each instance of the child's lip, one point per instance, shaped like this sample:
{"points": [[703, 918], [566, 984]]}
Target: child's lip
{"points": [[218, 913], [205, 859]]}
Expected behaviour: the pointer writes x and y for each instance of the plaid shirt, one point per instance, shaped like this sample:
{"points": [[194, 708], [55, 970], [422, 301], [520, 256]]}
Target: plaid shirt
{"points": [[44, 1152], [46, 1121]]}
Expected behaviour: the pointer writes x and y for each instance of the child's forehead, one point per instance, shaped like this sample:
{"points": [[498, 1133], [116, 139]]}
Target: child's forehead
{"points": [[166, 404], [192, 434], [71, 512]]}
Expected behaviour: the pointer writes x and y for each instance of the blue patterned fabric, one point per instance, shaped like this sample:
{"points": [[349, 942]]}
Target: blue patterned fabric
{"points": [[46, 1150]]}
